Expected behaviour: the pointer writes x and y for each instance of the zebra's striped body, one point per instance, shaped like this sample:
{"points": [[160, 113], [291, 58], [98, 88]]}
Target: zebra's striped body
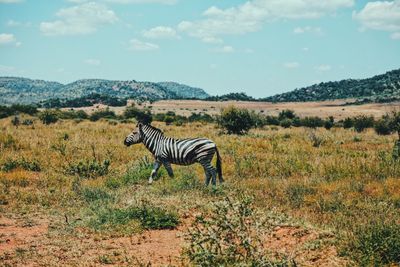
{"points": [[167, 150]]}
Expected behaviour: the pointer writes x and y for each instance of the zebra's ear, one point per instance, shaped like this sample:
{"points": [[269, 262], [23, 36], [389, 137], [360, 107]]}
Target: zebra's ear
{"points": [[139, 125]]}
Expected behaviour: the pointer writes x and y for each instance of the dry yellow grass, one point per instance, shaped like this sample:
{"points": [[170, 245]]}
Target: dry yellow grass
{"points": [[322, 109], [334, 187]]}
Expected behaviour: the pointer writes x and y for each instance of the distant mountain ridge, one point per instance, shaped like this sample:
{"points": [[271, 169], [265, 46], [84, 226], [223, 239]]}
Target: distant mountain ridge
{"points": [[27, 91], [379, 88]]}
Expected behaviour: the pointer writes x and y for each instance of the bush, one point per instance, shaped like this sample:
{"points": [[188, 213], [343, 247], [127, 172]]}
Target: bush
{"points": [[382, 127], [27, 122], [286, 123], [143, 116], [48, 117], [375, 244], [16, 121], [328, 124], [94, 194], [107, 114], [12, 164], [272, 120], [89, 168], [312, 122], [286, 114], [362, 122], [228, 236], [148, 216], [235, 120], [347, 123]]}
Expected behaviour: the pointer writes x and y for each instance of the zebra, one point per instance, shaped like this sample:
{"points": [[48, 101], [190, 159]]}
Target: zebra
{"points": [[167, 151]]}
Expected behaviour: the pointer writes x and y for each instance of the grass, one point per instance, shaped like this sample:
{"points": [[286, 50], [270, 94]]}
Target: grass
{"points": [[344, 182]]}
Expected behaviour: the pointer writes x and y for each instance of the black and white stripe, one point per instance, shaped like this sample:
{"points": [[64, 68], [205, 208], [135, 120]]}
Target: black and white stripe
{"points": [[167, 150]]}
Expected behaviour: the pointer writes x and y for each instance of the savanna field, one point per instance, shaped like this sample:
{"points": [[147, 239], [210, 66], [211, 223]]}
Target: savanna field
{"points": [[72, 194]]}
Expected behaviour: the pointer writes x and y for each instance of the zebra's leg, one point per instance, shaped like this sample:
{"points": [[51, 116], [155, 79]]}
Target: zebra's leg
{"points": [[208, 175], [156, 166], [168, 167]]}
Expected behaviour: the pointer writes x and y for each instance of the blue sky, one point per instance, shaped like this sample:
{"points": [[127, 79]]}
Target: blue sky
{"points": [[261, 47]]}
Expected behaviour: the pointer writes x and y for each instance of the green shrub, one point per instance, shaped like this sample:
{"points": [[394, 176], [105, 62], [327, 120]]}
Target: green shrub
{"points": [[90, 194], [48, 116], [362, 122], [89, 168], [329, 123], [149, 217], [286, 123], [228, 236], [375, 244], [235, 120], [143, 116], [140, 171], [102, 114], [312, 122], [382, 127], [12, 164], [348, 123], [16, 121], [286, 114], [27, 122]]}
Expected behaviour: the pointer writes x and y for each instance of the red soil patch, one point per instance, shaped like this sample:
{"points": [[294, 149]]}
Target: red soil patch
{"points": [[17, 234], [304, 246]]}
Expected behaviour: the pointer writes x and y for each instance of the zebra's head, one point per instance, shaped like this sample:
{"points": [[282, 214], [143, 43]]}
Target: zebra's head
{"points": [[134, 137]]}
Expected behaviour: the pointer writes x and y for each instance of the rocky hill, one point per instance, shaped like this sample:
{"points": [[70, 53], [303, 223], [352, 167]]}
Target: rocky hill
{"points": [[26, 91], [380, 88]]}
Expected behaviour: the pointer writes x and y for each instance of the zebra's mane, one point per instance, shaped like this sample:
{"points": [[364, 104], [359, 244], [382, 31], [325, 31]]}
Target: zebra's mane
{"points": [[154, 128]]}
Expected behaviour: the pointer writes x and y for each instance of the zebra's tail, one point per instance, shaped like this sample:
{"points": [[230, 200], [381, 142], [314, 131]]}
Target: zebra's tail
{"points": [[219, 167]]}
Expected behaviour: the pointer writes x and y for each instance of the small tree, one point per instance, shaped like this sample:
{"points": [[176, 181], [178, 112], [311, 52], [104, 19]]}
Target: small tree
{"points": [[328, 124], [347, 123], [143, 116], [362, 122], [48, 117], [382, 126], [16, 121], [235, 120], [286, 114], [395, 126], [286, 123]]}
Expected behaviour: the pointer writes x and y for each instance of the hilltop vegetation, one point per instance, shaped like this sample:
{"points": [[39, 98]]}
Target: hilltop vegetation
{"points": [[380, 88], [26, 91]]}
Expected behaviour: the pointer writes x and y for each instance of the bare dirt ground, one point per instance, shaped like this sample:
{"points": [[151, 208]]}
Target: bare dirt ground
{"points": [[321, 109], [35, 243]]}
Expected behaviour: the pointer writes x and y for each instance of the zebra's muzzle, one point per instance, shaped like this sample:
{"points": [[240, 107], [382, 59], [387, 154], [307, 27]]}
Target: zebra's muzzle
{"points": [[127, 143]]}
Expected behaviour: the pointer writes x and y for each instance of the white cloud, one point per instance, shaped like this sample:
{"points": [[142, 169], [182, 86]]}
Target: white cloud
{"points": [[161, 32], [249, 51], [92, 62], [225, 49], [138, 45], [14, 23], [291, 65], [78, 20], [307, 29], [7, 38], [323, 68], [395, 36], [10, 1], [381, 16], [250, 16]]}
